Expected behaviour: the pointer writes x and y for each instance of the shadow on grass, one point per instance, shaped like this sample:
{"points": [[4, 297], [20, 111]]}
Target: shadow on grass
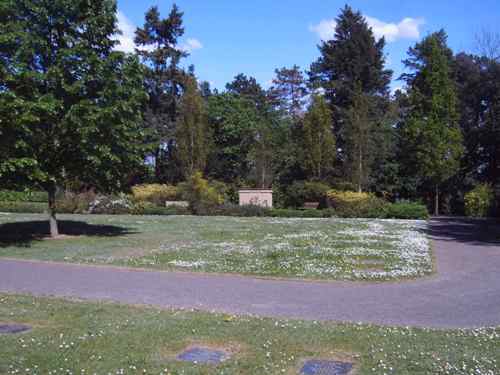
{"points": [[25, 232]]}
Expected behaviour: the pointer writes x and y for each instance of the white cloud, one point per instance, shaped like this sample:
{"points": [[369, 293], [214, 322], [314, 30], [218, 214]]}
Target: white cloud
{"points": [[126, 39], [408, 28], [190, 45], [325, 29]]}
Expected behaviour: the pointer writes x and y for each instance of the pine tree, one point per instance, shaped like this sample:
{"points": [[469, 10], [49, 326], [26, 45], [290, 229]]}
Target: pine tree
{"points": [[319, 141], [431, 134], [191, 132], [289, 91], [352, 61], [248, 88], [157, 45]]}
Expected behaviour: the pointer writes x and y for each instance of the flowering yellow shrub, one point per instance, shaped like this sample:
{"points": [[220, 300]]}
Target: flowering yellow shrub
{"points": [[479, 202], [348, 196], [355, 204], [155, 193]]}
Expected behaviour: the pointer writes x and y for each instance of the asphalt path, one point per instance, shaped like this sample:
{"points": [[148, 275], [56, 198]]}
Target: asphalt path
{"points": [[464, 293]]}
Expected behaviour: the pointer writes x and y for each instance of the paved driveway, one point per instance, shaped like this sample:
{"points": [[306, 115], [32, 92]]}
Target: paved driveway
{"points": [[464, 293]]}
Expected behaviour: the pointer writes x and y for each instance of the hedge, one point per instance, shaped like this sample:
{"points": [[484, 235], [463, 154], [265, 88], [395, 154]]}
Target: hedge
{"points": [[405, 211], [23, 207], [23, 196]]}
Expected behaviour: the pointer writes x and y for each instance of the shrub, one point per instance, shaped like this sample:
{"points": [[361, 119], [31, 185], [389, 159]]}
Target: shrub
{"points": [[291, 213], [23, 196], [479, 202], [406, 211], [155, 193], [111, 205], [23, 207], [75, 203], [231, 209], [146, 208], [202, 197], [355, 204], [301, 192]]}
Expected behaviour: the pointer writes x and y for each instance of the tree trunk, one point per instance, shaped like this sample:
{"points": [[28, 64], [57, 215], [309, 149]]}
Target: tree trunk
{"points": [[436, 201], [263, 182], [54, 230], [360, 188]]}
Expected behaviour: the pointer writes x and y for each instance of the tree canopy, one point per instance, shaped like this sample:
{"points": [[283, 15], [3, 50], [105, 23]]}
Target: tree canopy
{"points": [[70, 105]]}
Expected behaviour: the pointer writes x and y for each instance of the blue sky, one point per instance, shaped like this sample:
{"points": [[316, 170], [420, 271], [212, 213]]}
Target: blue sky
{"points": [[227, 37]]}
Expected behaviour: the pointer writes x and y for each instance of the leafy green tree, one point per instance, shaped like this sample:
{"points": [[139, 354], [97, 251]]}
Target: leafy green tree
{"points": [[353, 60], [319, 141], [191, 132], [431, 133], [478, 79], [157, 45], [233, 121], [358, 135], [69, 105]]}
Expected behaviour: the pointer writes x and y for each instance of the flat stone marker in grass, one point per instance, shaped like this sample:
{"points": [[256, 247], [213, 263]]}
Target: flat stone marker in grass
{"points": [[324, 367], [11, 329], [203, 356]]}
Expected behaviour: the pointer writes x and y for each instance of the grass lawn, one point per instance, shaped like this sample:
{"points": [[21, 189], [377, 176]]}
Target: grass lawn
{"points": [[344, 249], [102, 338]]}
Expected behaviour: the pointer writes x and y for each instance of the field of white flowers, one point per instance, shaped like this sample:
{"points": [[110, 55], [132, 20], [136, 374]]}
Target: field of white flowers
{"points": [[332, 249], [351, 249]]}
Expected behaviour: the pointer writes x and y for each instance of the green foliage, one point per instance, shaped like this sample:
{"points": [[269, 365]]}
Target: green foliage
{"points": [[75, 203], [146, 208], [432, 139], [191, 132], [353, 60], [201, 196], [480, 201], [406, 211], [319, 141], [70, 105], [159, 51], [359, 140], [286, 212], [301, 192], [249, 210], [289, 91], [354, 204], [23, 207], [23, 196], [156, 194], [233, 123]]}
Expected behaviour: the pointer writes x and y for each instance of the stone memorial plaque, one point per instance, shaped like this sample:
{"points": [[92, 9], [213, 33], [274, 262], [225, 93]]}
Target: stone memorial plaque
{"points": [[324, 367], [203, 356], [13, 328]]}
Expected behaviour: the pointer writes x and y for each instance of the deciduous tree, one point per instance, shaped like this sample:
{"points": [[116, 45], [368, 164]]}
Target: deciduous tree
{"points": [[431, 133], [319, 141], [70, 106], [191, 133]]}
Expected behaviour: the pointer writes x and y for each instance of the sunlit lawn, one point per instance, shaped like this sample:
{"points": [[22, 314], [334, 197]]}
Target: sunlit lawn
{"points": [[102, 338], [306, 248]]}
